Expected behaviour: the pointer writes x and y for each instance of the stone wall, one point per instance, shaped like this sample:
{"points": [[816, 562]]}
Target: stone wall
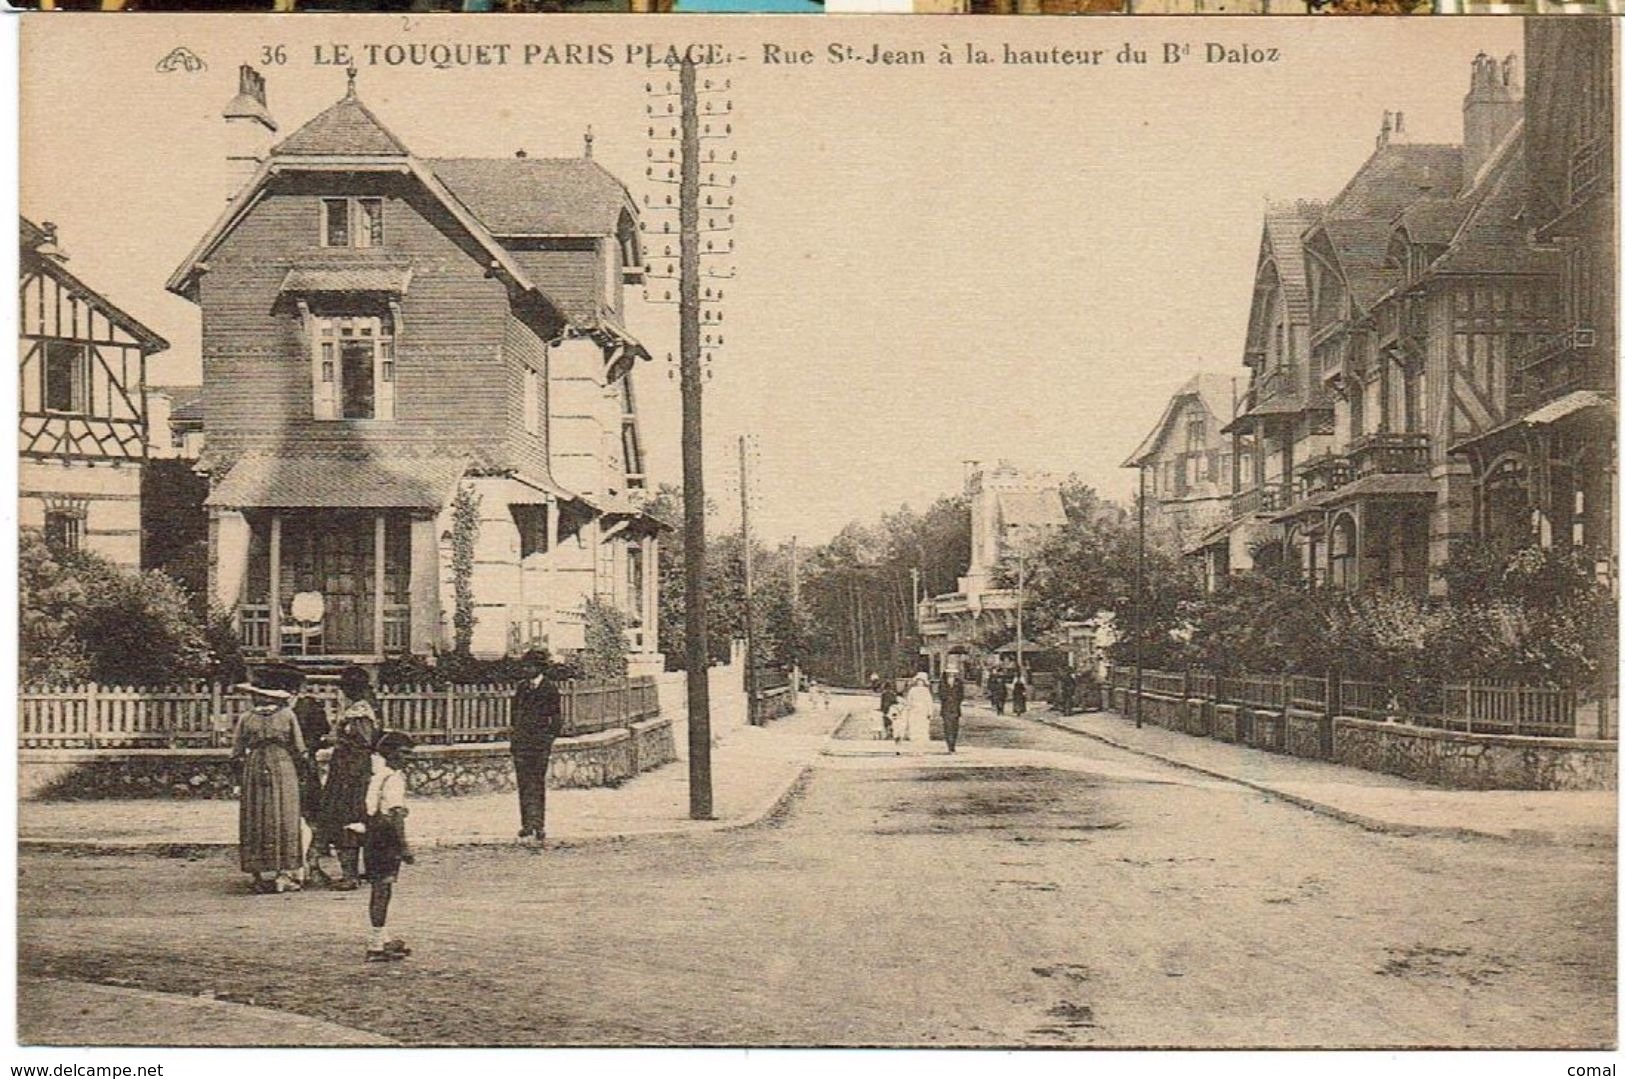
{"points": [[1476, 761], [1308, 734], [1226, 722], [605, 759], [1268, 730]]}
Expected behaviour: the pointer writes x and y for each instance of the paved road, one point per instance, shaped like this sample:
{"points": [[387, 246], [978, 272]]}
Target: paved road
{"points": [[1035, 889]]}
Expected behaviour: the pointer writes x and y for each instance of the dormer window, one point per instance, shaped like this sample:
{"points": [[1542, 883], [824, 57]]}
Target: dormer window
{"points": [[357, 222]]}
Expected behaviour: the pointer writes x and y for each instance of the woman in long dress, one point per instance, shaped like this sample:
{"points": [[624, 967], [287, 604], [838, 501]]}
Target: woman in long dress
{"points": [[269, 745], [344, 798], [918, 706]]}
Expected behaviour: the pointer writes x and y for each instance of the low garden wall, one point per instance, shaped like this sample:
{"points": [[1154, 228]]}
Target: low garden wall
{"points": [[602, 759], [1476, 761]]}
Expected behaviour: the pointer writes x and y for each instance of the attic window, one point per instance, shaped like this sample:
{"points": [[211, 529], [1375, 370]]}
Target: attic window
{"points": [[353, 222]]}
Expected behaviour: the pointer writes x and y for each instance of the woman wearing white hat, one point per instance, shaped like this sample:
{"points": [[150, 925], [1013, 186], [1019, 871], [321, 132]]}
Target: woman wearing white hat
{"points": [[918, 706], [269, 745]]}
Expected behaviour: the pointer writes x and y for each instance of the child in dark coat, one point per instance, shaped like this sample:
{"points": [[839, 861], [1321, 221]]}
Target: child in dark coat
{"points": [[385, 846]]}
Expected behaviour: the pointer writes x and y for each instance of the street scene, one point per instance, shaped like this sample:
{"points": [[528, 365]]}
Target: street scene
{"points": [[486, 583]]}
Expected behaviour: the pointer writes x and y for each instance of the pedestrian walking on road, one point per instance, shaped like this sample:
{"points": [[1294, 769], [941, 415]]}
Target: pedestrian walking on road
{"points": [[1018, 696], [344, 798], [917, 708], [888, 699], [1065, 690], [385, 836], [538, 720], [995, 691], [952, 703], [269, 745]]}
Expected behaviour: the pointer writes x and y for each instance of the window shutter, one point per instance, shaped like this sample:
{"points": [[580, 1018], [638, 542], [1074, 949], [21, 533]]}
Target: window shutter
{"points": [[323, 365], [384, 408]]}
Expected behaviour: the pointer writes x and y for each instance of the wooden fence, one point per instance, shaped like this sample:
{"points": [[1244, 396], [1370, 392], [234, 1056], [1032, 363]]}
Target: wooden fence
{"points": [[1475, 708], [202, 715]]}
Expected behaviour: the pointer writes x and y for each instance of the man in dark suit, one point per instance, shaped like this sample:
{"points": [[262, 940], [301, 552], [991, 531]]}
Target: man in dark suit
{"points": [[538, 719], [951, 704]]}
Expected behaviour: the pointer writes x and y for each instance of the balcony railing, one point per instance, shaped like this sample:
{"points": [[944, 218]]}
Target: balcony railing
{"points": [[1325, 472], [1265, 498], [1387, 453]]}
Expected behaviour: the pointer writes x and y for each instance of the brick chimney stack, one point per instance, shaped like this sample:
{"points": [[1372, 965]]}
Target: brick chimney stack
{"points": [[1492, 107], [250, 127]]}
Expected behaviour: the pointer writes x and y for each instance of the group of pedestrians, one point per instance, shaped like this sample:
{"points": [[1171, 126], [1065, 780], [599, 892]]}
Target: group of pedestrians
{"points": [[288, 820], [907, 717], [1003, 686]]}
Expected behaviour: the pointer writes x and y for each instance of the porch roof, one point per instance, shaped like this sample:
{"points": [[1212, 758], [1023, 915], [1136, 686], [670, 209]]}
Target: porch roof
{"points": [[295, 481]]}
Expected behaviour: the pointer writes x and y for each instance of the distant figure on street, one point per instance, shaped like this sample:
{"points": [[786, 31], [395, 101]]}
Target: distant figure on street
{"points": [[1018, 695], [874, 682], [917, 708], [952, 703], [385, 831], [1065, 688], [995, 691], [269, 746], [888, 698], [538, 720], [896, 719]]}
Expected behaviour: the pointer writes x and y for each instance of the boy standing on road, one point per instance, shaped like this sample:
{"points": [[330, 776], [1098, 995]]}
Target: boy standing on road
{"points": [[386, 846], [538, 720]]}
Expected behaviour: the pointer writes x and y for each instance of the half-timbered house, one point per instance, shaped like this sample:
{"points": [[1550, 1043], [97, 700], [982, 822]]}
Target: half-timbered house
{"points": [[82, 405], [422, 430], [1547, 471]]}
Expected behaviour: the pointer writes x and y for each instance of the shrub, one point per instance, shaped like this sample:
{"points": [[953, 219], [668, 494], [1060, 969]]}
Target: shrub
{"points": [[604, 658]]}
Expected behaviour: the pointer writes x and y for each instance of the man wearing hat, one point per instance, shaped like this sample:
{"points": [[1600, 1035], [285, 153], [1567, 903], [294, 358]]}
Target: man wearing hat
{"points": [[538, 720], [269, 745]]}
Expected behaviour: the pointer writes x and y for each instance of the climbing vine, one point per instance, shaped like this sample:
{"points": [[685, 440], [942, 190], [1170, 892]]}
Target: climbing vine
{"points": [[465, 530]]}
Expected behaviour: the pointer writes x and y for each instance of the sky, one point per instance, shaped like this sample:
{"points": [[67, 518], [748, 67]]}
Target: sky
{"points": [[933, 263]]}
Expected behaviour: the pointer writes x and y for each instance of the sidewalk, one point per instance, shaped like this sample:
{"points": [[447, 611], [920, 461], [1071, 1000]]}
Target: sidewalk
{"points": [[53, 1012], [753, 770], [1370, 799]]}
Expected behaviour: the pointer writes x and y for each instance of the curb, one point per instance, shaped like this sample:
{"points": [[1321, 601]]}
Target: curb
{"points": [[188, 1002], [1360, 820], [767, 808]]}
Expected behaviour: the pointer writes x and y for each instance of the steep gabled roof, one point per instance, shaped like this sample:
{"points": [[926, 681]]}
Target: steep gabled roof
{"points": [[1215, 393], [1283, 243], [1395, 176], [345, 127], [1492, 237], [1360, 246], [536, 196], [31, 236]]}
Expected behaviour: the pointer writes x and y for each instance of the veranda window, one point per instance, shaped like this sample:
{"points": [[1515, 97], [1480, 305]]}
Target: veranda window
{"points": [[353, 368]]}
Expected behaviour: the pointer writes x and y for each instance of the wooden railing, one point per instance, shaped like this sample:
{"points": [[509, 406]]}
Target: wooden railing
{"points": [[201, 715], [1388, 452], [1265, 498], [1471, 707]]}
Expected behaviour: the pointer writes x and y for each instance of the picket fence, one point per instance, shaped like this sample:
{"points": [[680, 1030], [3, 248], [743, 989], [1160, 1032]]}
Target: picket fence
{"points": [[201, 715], [1477, 707]]}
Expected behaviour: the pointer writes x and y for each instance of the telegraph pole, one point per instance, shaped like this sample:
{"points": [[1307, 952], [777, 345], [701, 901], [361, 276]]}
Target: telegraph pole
{"points": [[680, 120], [750, 598], [795, 621], [1139, 609], [1021, 599], [694, 630]]}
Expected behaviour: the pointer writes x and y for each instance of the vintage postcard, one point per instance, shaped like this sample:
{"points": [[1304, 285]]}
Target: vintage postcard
{"points": [[890, 532]]}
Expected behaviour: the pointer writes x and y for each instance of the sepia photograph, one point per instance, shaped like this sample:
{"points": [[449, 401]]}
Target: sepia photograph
{"points": [[878, 532]]}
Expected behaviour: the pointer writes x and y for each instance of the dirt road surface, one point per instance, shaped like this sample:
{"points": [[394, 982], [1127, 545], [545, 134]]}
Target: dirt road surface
{"points": [[1034, 889]]}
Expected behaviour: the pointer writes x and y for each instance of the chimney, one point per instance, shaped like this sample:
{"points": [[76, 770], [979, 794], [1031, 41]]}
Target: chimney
{"points": [[1492, 107], [249, 127], [48, 247], [587, 141]]}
